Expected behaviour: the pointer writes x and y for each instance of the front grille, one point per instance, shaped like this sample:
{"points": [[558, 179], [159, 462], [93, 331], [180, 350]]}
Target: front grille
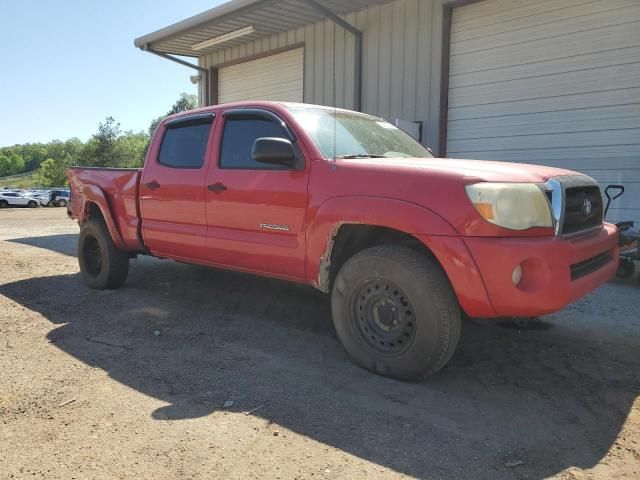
{"points": [[584, 268], [582, 209]]}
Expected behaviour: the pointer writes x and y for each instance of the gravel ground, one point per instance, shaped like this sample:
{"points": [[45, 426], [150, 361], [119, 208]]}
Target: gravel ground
{"points": [[133, 383]]}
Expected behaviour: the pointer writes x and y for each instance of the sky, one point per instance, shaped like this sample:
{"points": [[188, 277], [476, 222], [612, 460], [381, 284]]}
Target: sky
{"points": [[65, 65]]}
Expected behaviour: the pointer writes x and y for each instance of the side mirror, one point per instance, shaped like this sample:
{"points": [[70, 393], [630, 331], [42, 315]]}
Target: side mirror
{"points": [[274, 151]]}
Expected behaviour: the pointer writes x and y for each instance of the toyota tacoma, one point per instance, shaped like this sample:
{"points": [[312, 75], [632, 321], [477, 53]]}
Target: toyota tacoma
{"points": [[404, 243]]}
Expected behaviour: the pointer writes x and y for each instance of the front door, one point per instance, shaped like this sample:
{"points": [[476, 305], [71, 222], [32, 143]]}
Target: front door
{"points": [[255, 212], [172, 190]]}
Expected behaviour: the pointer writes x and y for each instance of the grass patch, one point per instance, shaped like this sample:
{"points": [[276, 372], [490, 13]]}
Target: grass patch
{"points": [[24, 180]]}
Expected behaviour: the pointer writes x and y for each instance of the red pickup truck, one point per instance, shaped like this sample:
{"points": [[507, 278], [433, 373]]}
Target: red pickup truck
{"points": [[346, 202]]}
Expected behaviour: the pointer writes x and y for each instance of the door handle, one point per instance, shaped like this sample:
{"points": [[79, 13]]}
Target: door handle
{"points": [[217, 187], [153, 185]]}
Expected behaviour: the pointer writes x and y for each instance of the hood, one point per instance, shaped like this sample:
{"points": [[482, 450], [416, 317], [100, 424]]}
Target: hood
{"points": [[469, 170]]}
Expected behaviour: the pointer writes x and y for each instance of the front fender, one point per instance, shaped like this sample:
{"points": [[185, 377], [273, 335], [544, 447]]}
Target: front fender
{"points": [[399, 215], [94, 194]]}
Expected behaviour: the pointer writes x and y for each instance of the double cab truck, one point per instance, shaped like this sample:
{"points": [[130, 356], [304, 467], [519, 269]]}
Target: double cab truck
{"points": [[404, 243]]}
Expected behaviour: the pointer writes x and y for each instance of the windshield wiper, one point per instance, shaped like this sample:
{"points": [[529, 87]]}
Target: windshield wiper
{"points": [[360, 155]]}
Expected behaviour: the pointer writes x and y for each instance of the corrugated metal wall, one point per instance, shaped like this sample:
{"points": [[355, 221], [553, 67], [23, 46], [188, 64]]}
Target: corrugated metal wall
{"points": [[553, 82], [402, 54]]}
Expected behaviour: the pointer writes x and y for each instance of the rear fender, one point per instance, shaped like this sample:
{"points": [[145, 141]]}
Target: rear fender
{"points": [[93, 194]]}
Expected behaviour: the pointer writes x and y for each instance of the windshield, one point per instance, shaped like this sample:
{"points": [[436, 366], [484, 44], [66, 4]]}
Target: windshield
{"points": [[339, 133]]}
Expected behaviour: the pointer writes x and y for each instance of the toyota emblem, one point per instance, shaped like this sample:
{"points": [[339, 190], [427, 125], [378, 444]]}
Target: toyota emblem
{"points": [[586, 207]]}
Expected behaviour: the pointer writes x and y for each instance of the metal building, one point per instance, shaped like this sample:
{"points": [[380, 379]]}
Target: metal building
{"points": [[554, 82]]}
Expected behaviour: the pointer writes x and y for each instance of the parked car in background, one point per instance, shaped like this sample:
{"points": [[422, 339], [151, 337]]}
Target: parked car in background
{"points": [[55, 198], [16, 199], [59, 198], [42, 196]]}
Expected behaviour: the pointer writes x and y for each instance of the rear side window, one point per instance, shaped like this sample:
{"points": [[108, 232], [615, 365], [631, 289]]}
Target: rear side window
{"points": [[185, 146], [239, 137]]}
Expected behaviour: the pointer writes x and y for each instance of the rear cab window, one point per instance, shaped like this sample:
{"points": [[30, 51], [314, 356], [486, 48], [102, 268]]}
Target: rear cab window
{"points": [[184, 144]]}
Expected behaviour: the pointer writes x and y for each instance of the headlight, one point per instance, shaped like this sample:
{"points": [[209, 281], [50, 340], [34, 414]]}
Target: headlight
{"points": [[517, 206]]}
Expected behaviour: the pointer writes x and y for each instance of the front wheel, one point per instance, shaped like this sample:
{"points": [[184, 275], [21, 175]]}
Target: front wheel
{"points": [[33, 204], [62, 203], [103, 266], [395, 312]]}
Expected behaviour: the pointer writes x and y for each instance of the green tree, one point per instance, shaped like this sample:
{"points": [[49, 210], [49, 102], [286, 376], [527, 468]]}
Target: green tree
{"points": [[52, 171], [4, 165], [100, 150], [131, 149], [185, 102], [33, 154], [73, 149]]}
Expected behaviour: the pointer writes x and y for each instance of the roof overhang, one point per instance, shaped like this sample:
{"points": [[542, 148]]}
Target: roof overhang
{"points": [[266, 17]]}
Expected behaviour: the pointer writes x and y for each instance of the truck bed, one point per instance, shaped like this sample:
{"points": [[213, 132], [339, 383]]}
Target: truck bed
{"points": [[119, 187]]}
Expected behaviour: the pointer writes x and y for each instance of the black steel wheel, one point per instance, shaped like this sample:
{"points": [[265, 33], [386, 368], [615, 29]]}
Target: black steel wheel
{"points": [[103, 266], [395, 312], [92, 255], [384, 316]]}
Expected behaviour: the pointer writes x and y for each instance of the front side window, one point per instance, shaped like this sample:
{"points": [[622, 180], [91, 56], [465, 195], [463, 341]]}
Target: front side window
{"points": [[239, 136], [185, 146], [341, 133]]}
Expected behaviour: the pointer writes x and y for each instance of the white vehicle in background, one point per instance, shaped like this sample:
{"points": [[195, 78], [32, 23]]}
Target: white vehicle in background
{"points": [[16, 199], [42, 196]]}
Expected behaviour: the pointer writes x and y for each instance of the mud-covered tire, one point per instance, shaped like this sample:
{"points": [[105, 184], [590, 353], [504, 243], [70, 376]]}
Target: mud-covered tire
{"points": [[395, 312], [103, 266]]}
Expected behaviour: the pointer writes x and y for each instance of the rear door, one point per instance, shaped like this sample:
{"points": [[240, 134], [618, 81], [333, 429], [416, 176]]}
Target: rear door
{"points": [[172, 190], [255, 212]]}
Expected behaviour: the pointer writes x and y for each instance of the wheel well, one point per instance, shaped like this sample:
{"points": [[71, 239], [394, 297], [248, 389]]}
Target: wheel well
{"points": [[93, 211], [353, 238]]}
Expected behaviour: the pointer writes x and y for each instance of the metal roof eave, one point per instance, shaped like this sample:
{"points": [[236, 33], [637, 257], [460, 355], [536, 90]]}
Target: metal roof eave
{"points": [[268, 17], [195, 21]]}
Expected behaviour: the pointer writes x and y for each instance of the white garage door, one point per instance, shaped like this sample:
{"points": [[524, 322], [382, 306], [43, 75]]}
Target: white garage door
{"points": [[553, 82], [277, 77]]}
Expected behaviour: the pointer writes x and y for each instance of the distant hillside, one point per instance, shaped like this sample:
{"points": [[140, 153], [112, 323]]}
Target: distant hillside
{"points": [[22, 180]]}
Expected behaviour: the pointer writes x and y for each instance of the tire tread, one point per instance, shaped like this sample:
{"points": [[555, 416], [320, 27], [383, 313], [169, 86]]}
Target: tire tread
{"points": [[435, 280], [118, 260]]}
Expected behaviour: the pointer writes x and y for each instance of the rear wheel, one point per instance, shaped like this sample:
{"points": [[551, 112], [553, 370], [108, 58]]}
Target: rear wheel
{"points": [[4, 204], [103, 266], [62, 203], [395, 312]]}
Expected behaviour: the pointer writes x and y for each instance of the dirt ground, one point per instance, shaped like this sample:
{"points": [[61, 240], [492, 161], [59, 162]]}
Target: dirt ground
{"points": [[132, 383]]}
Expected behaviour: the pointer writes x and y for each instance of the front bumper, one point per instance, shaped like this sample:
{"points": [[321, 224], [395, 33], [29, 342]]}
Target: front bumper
{"points": [[555, 270]]}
